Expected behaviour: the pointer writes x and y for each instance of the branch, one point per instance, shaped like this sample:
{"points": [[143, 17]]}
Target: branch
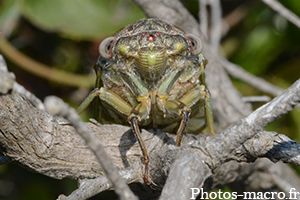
{"points": [[262, 98], [171, 11], [259, 83], [283, 11], [43, 70], [90, 187], [49, 145], [280, 105], [233, 18], [203, 17], [58, 107], [191, 170], [8, 83], [276, 147], [216, 25], [230, 139], [261, 175]]}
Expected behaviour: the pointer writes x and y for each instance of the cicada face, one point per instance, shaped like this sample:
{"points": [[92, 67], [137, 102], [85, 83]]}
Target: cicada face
{"points": [[148, 46]]}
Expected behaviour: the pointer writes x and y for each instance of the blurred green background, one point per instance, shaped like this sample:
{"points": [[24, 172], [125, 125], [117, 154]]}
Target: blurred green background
{"points": [[54, 44]]}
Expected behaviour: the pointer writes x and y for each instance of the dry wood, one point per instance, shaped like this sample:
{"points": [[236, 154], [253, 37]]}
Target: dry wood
{"points": [[49, 144]]}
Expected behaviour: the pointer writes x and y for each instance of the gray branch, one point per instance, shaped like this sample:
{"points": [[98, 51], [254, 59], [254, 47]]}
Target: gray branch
{"points": [[49, 145], [216, 24], [259, 83], [283, 11], [57, 107], [203, 16], [8, 83]]}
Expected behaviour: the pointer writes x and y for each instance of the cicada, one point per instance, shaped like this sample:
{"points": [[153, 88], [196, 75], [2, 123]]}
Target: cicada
{"points": [[151, 74]]}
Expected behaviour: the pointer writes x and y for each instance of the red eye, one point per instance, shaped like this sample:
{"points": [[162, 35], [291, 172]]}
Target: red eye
{"points": [[144, 34], [150, 38], [157, 33]]}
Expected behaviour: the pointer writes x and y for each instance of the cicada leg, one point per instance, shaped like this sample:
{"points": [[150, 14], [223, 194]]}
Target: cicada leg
{"points": [[111, 98], [209, 113], [185, 112], [182, 109], [88, 100], [139, 112], [95, 93], [208, 110]]}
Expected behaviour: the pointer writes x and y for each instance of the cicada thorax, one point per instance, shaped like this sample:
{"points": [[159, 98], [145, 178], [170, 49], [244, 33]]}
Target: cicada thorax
{"points": [[151, 62]]}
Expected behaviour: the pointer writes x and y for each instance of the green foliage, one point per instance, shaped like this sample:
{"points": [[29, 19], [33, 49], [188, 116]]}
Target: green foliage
{"points": [[82, 19], [258, 50], [268, 46], [9, 13]]}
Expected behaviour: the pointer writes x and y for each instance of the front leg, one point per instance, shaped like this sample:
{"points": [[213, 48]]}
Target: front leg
{"points": [[138, 113], [200, 92], [182, 107], [109, 97], [178, 108], [135, 115]]}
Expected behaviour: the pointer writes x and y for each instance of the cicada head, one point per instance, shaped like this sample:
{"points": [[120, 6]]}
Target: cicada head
{"points": [[151, 49]]}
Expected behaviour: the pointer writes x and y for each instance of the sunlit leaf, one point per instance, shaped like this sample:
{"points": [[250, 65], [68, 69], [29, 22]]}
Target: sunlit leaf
{"points": [[259, 49], [9, 14], [84, 19]]}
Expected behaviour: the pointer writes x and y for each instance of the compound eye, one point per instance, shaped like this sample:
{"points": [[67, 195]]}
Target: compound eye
{"points": [[106, 46], [196, 44]]}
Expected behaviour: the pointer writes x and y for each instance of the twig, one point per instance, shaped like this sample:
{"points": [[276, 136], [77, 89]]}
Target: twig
{"points": [[173, 12], [7, 78], [233, 18], [280, 105], [286, 185], [276, 147], [31, 97], [203, 17], [88, 188], [262, 98], [231, 140], [191, 165], [238, 72], [248, 127], [42, 70], [58, 107], [8, 83], [216, 24], [259, 83], [283, 11]]}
